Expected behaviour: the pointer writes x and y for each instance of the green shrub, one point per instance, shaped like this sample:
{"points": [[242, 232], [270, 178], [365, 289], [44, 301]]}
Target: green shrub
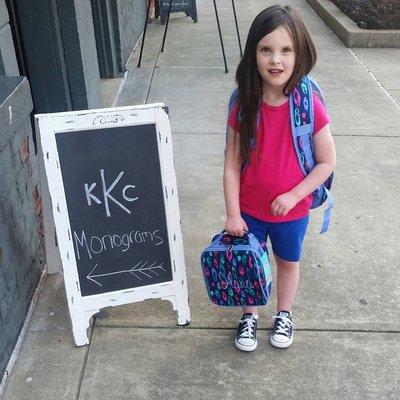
{"points": [[372, 14]]}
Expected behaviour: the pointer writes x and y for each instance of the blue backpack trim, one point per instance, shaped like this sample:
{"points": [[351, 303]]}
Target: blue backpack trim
{"points": [[301, 105]]}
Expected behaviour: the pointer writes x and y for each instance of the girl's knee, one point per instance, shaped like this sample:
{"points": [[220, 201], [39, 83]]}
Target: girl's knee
{"points": [[281, 263]]}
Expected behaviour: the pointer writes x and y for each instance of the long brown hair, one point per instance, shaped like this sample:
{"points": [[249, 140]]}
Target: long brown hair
{"points": [[247, 75]]}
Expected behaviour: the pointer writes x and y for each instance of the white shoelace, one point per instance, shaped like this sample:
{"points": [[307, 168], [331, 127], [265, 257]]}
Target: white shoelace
{"points": [[247, 330], [284, 325]]}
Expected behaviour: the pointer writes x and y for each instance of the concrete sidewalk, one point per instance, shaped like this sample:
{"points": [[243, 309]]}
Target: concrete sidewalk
{"points": [[347, 330]]}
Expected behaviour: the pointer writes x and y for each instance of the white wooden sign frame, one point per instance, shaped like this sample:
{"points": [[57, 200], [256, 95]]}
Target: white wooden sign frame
{"points": [[82, 308]]}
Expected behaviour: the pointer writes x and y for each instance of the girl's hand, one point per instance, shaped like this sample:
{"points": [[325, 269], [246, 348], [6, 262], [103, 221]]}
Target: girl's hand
{"points": [[284, 203], [236, 226]]}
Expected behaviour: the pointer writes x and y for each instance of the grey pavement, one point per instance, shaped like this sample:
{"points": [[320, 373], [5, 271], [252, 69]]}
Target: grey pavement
{"points": [[347, 326]]}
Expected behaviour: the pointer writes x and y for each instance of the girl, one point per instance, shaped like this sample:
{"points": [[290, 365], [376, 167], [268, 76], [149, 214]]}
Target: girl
{"points": [[270, 197]]}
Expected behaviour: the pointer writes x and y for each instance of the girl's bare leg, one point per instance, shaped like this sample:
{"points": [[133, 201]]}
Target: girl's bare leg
{"points": [[250, 310], [287, 281]]}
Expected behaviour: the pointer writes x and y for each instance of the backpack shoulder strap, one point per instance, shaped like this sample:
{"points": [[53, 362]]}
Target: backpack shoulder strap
{"points": [[302, 123], [302, 120], [233, 100], [318, 91], [328, 211]]}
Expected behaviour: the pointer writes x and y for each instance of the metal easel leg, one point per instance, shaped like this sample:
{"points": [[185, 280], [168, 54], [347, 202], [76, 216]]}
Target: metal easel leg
{"points": [[237, 28], [166, 26], [220, 36], [144, 34]]}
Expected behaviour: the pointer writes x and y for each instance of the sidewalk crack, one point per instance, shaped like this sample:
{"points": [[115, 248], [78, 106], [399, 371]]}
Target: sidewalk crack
{"points": [[369, 70], [198, 328], [152, 75], [83, 369]]}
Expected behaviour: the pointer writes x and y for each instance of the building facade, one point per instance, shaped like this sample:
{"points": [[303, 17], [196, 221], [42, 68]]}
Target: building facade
{"points": [[53, 55]]}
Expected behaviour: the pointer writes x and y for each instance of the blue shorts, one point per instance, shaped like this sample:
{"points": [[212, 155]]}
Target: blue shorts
{"points": [[286, 237]]}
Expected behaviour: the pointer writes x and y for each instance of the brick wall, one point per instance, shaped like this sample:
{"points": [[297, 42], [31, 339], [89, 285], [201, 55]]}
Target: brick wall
{"points": [[21, 247], [131, 18]]}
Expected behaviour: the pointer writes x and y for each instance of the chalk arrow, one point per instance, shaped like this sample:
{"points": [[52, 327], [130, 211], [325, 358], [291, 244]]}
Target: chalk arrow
{"points": [[90, 276], [136, 270]]}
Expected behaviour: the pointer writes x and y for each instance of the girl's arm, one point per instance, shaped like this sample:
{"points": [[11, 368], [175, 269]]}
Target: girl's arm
{"points": [[235, 225], [325, 163]]}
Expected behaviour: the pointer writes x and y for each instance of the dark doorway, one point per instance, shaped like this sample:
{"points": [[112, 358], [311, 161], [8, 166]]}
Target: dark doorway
{"points": [[17, 38], [104, 29], [37, 39]]}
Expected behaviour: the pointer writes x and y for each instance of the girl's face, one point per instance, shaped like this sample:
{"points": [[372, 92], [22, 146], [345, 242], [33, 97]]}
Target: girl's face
{"points": [[275, 58]]}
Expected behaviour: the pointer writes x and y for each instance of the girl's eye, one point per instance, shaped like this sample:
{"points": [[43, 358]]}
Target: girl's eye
{"points": [[265, 50], [287, 50]]}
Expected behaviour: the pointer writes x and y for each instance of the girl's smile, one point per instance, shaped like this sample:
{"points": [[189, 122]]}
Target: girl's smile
{"points": [[275, 71]]}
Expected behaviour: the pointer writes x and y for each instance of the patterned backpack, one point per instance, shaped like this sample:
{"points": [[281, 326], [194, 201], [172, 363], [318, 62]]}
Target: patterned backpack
{"points": [[302, 123], [237, 271]]}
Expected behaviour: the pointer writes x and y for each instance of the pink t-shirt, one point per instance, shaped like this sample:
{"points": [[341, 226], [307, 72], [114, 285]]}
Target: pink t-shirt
{"points": [[275, 169]]}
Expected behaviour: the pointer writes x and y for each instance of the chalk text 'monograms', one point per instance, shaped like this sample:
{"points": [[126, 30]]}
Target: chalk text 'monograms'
{"points": [[98, 244]]}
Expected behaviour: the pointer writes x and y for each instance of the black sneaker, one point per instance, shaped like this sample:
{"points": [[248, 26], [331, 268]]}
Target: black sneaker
{"points": [[246, 333], [282, 334]]}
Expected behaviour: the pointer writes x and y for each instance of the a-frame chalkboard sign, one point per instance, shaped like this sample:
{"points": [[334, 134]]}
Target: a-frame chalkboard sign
{"points": [[112, 184]]}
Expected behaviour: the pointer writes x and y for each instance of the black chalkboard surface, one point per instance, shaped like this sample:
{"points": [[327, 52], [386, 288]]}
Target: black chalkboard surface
{"points": [[187, 6], [177, 5], [114, 193]]}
